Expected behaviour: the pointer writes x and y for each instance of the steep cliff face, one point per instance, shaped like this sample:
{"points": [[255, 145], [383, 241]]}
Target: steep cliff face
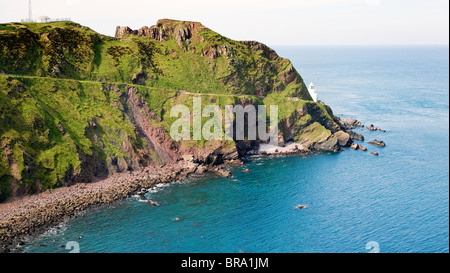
{"points": [[76, 105]]}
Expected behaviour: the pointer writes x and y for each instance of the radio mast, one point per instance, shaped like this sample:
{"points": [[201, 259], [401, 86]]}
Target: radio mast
{"points": [[30, 17]]}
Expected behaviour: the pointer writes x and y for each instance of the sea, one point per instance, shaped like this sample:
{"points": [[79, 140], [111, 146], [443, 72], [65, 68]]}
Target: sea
{"points": [[397, 202]]}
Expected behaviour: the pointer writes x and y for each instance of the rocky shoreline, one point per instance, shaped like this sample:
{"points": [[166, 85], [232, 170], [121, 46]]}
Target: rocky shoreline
{"points": [[29, 216], [32, 215]]}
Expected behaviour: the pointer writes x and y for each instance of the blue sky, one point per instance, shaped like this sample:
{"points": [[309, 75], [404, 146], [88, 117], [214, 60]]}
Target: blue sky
{"points": [[274, 22]]}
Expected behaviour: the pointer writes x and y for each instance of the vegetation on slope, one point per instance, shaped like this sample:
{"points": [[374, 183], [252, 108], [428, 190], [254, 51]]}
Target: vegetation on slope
{"points": [[75, 104]]}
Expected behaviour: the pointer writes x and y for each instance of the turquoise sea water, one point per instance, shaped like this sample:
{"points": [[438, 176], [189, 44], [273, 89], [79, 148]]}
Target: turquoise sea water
{"points": [[399, 199]]}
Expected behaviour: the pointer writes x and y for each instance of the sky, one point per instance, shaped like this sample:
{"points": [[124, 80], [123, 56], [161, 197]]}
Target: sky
{"points": [[273, 22]]}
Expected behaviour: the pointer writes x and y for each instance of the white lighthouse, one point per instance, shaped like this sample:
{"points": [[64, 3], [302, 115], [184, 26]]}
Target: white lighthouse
{"points": [[312, 92]]}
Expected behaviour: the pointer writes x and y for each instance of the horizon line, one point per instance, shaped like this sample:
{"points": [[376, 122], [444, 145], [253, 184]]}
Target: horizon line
{"points": [[361, 45]]}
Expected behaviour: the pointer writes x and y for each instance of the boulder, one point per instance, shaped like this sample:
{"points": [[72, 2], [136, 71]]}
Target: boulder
{"points": [[356, 146], [344, 139], [362, 148], [348, 123], [353, 122], [355, 136], [330, 145], [224, 173]]}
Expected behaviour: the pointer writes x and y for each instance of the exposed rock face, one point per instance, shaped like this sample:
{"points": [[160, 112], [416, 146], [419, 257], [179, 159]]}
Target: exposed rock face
{"points": [[268, 53], [164, 147], [122, 32], [343, 138], [330, 145], [289, 76], [355, 136], [163, 30]]}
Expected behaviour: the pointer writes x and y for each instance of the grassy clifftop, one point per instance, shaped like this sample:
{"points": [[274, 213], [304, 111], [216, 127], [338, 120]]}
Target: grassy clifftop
{"points": [[75, 105], [172, 54]]}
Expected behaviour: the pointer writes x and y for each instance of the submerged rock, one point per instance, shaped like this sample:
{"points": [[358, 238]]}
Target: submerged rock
{"points": [[152, 203], [142, 197]]}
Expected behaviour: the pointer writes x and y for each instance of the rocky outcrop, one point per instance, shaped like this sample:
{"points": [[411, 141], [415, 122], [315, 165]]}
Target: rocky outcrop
{"points": [[344, 138], [356, 146], [371, 127], [224, 173], [329, 145], [378, 143], [355, 136], [181, 31], [348, 123], [289, 76], [267, 52]]}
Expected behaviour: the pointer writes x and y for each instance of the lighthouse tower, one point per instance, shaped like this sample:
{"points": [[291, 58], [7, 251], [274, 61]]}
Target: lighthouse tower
{"points": [[312, 92]]}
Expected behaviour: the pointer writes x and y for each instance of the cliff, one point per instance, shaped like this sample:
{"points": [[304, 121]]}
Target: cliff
{"points": [[77, 106]]}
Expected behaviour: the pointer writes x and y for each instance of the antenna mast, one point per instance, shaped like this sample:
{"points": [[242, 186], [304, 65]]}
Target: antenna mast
{"points": [[30, 17]]}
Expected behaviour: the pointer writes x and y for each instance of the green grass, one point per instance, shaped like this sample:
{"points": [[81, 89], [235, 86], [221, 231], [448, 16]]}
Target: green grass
{"points": [[62, 99], [32, 108], [313, 133]]}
